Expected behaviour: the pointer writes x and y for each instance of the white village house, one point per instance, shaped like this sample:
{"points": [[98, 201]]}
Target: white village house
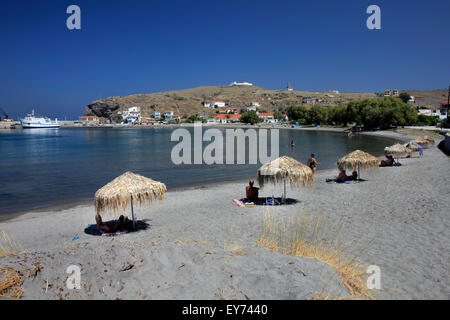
{"points": [[132, 114], [214, 104], [254, 105], [245, 83]]}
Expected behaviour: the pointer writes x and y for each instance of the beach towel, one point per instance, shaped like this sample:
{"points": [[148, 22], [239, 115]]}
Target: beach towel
{"points": [[346, 182], [269, 202], [239, 203], [113, 234]]}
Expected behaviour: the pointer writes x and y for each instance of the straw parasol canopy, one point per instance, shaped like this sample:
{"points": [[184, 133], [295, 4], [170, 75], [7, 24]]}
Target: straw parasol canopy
{"points": [[411, 146], [430, 139], [423, 142], [123, 190], [397, 150], [285, 169], [358, 160]]}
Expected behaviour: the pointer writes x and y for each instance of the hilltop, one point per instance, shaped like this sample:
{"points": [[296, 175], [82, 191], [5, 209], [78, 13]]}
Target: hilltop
{"points": [[190, 101]]}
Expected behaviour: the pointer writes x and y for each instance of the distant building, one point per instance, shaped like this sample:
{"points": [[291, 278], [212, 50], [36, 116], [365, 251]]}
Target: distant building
{"points": [[289, 88], [267, 117], [168, 114], [245, 83], [157, 115], [218, 104], [444, 108], [227, 118], [232, 110], [214, 104], [310, 100], [391, 93], [145, 122], [133, 116], [89, 119], [414, 99]]}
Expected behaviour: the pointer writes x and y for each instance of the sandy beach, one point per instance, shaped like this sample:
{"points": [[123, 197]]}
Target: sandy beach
{"points": [[200, 245]]}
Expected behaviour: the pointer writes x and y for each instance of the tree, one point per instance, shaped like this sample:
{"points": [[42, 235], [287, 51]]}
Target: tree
{"points": [[404, 96], [381, 113], [297, 113], [317, 114], [278, 115], [250, 117], [195, 118], [337, 116]]}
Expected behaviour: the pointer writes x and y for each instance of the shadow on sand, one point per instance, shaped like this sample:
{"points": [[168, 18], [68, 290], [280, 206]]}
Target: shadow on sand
{"points": [[93, 230], [267, 201]]}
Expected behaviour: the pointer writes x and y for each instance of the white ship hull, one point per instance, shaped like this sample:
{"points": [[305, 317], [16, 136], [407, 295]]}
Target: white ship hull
{"points": [[27, 125], [30, 121]]}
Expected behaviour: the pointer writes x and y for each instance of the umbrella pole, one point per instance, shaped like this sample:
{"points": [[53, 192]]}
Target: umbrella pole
{"points": [[284, 195], [359, 176], [132, 213]]}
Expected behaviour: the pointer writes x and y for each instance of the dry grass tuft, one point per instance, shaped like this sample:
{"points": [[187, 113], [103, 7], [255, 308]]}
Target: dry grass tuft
{"points": [[321, 296], [7, 246], [305, 236], [10, 283]]}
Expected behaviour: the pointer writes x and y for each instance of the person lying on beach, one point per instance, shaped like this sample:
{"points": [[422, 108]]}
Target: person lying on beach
{"points": [[387, 163], [312, 163], [251, 192]]}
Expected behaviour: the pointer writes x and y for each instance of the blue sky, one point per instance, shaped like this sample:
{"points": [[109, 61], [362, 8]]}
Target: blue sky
{"points": [[127, 47]]}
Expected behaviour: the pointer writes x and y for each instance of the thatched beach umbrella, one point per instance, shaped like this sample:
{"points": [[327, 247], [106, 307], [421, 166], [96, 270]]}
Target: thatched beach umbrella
{"points": [[430, 139], [411, 146], [124, 190], [358, 160], [397, 150], [285, 169], [422, 141]]}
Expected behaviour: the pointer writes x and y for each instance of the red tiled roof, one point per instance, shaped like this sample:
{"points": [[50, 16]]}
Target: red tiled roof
{"points": [[227, 116], [444, 102]]}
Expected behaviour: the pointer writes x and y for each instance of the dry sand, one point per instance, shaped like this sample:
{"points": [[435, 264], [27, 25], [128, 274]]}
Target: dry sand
{"points": [[200, 245]]}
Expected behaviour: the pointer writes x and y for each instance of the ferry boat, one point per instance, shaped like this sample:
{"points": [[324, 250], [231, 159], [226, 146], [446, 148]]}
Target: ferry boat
{"points": [[31, 121]]}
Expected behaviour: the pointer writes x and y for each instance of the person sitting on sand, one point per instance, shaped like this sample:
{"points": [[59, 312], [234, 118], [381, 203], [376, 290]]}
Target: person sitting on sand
{"points": [[119, 225], [312, 163], [251, 192], [342, 177], [387, 163], [354, 176]]}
